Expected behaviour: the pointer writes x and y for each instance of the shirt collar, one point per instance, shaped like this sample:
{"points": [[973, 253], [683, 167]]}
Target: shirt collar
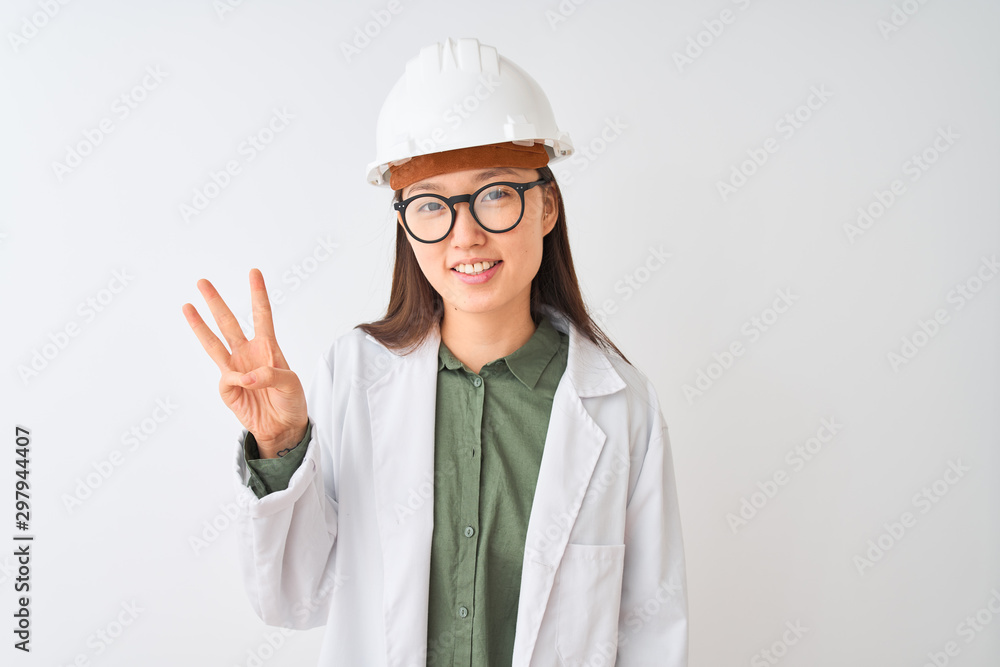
{"points": [[526, 362]]}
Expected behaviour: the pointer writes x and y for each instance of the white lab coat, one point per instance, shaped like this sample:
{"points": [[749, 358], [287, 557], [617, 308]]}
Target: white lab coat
{"points": [[347, 544]]}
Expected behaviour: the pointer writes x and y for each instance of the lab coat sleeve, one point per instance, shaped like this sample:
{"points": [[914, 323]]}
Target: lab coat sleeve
{"points": [[270, 475], [653, 622], [287, 539]]}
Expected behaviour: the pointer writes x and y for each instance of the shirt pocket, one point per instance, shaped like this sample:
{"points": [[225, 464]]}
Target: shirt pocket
{"points": [[589, 599]]}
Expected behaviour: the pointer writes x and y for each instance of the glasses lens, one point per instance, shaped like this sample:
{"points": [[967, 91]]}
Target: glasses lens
{"points": [[498, 207], [428, 218]]}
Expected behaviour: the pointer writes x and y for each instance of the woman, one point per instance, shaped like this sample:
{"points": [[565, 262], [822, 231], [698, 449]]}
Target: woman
{"points": [[480, 477]]}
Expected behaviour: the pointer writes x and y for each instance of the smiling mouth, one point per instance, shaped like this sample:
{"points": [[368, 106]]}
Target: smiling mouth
{"points": [[477, 268]]}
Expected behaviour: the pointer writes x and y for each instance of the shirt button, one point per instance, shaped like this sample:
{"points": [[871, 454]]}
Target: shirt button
{"points": [[463, 612], [477, 381], [469, 531]]}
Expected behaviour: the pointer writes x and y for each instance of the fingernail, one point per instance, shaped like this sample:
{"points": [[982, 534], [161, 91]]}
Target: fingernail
{"points": [[249, 378]]}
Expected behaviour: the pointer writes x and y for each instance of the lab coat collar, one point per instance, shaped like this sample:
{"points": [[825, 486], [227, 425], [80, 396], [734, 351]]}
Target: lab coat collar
{"points": [[403, 470], [589, 369]]}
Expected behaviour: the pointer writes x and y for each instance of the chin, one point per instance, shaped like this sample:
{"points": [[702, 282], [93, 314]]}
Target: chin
{"points": [[478, 304]]}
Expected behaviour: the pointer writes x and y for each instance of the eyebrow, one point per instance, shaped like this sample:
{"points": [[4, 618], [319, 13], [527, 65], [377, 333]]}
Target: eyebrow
{"points": [[481, 176]]}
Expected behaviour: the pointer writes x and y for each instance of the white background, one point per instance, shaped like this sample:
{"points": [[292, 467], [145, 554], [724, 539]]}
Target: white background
{"points": [[682, 128]]}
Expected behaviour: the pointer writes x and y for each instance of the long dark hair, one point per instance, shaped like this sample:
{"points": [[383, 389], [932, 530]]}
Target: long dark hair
{"points": [[415, 306]]}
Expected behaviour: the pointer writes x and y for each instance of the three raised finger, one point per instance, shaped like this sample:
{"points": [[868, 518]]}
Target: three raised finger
{"points": [[216, 350], [228, 324], [263, 324]]}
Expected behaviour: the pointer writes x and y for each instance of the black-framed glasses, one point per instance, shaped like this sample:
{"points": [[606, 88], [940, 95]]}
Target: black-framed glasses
{"points": [[497, 207]]}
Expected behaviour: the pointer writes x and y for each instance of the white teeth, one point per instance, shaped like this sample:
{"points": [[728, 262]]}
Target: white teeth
{"points": [[473, 269]]}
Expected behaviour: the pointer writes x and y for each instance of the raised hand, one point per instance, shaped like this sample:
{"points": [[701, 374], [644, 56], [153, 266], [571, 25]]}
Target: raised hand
{"points": [[256, 383]]}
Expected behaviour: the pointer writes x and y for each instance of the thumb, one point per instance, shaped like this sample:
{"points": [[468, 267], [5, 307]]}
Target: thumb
{"points": [[268, 376]]}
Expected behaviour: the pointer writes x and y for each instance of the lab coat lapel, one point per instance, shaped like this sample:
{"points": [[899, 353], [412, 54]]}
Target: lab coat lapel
{"points": [[402, 407], [573, 444]]}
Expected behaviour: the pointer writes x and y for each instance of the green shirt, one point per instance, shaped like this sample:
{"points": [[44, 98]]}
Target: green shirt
{"points": [[270, 475], [489, 434]]}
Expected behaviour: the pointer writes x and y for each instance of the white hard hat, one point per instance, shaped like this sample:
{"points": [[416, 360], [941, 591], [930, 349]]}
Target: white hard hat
{"points": [[459, 94]]}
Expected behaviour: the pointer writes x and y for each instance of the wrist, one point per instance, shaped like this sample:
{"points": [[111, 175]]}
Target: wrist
{"points": [[272, 448]]}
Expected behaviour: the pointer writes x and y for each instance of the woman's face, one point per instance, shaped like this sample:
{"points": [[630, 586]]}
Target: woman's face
{"points": [[504, 289]]}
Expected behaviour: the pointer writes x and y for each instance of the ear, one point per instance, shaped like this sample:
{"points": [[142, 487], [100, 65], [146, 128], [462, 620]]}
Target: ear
{"points": [[550, 210]]}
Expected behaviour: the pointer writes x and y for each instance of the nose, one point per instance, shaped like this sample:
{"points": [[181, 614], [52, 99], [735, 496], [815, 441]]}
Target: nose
{"points": [[466, 232]]}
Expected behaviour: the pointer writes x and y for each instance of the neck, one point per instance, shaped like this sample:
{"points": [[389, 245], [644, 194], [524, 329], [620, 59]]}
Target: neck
{"points": [[476, 339]]}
